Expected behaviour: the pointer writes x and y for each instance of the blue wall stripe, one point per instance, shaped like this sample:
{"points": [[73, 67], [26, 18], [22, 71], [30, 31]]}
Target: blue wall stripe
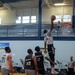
{"points": [[36, 38]]}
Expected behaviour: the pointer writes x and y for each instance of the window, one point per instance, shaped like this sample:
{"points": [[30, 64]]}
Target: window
{"points": [[33, 19], [0, 20], [18, 20], [25, 19], [58, 18], [67, 18]]}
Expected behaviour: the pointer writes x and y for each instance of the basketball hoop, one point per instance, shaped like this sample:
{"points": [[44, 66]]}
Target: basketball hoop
{"points": [[65, 29]]}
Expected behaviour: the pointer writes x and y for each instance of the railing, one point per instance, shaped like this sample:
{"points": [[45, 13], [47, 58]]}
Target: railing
{"points": [[32, 31]]}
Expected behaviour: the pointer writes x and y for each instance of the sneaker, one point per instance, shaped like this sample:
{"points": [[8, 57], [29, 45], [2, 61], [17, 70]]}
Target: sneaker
{"points": [[52, 72], [55, 72]]}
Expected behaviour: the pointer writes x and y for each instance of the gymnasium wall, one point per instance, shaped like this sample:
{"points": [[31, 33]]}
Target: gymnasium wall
{"points": [[46, 13], [9, 16], [64, 49]]}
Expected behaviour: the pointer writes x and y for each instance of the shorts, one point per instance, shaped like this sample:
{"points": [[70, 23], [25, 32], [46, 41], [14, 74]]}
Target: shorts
{"points": [[30, 72], [51, 49], [58, 27], [71, 71], [5, 71]]}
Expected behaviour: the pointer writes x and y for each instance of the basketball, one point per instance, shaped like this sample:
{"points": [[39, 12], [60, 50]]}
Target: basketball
{"points": [[53, 17]]}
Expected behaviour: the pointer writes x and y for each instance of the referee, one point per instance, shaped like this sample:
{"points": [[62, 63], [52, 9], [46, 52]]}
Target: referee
{"points": [[71, 66]]}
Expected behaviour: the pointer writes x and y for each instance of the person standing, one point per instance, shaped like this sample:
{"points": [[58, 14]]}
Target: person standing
{"points": [[40, 60], [7, 66], [30, 64], [58, 25], [71, 66], [48, 41]]}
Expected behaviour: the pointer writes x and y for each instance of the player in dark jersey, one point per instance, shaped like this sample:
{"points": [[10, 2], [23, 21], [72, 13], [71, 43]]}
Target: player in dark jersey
{"points": [[30, 64], [40, 60]]}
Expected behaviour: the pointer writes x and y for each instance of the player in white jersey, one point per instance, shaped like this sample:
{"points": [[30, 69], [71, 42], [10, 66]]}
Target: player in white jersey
{"points": [[7, 66], [48, 41]]}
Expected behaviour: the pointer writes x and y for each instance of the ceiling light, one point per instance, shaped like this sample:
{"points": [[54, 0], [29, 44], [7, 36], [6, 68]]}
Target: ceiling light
{"points": [[59, 4]]}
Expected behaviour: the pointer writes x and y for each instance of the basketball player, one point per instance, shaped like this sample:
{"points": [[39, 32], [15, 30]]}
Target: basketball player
{"points": [[30, 64], [48, 40], [7, 66], [40, 60]]}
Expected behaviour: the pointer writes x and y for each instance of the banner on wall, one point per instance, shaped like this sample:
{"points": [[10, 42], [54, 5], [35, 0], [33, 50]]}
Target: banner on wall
{"points": [[3, 45]]}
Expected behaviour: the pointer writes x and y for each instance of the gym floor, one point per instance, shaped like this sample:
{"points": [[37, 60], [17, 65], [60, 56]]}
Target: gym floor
{"points": [[24, 74], [16, 74]]}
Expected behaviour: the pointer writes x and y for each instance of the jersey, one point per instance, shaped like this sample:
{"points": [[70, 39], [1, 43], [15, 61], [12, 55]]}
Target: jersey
{"points": [[5, 63], [48, 38], [40, 62], [29, 63], [40, 59]]}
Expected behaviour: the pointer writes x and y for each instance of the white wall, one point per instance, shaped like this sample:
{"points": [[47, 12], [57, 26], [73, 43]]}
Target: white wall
{"points": [[9, 17], [46, 13], [64, 49]]}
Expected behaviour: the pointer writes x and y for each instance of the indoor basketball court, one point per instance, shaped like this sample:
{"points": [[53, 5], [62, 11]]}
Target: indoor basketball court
{"points": [[47, 24]]}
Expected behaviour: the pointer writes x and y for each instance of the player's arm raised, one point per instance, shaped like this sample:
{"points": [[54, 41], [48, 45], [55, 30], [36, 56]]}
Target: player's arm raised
{"points": [[52, 24]]}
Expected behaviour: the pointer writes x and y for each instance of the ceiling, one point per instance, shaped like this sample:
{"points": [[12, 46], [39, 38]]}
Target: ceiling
{"points": [[32, 3]]}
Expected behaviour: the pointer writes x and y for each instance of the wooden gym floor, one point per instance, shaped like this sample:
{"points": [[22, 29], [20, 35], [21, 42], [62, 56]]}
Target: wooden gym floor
{"points": [[16, 73], [22, 74]]}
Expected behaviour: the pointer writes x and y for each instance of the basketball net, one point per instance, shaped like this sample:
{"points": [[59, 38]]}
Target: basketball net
{"points": [[65, 29]]}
